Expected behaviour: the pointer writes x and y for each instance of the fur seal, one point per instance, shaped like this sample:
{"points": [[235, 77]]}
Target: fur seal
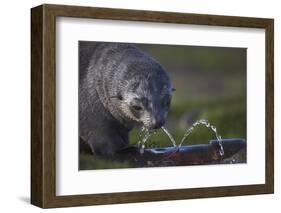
{"points": [[120, 87]]}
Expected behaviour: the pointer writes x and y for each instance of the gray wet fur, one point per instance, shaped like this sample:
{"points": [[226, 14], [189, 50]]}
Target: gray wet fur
{"points": [[113, 78]]}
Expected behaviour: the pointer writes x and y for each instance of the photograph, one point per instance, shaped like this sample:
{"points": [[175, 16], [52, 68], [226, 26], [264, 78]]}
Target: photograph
{"points": [[131, 105], [159, 105]]}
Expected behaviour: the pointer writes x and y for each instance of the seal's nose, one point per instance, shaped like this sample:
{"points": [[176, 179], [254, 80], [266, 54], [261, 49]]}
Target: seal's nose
{"points": [[158, 123]]}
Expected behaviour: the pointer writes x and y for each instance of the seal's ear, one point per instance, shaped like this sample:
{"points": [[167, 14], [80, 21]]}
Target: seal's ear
{"points": [[173, 89]]}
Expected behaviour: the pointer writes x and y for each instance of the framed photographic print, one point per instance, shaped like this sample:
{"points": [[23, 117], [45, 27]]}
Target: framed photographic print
{"points": [[135, 106]]}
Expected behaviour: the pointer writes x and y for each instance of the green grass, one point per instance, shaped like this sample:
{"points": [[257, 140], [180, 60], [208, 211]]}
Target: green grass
{"points": [[88, 162]]}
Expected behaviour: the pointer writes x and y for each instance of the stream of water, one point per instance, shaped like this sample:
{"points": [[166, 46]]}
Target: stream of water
{"points": [[144, 135], [170, 136], [208, 125]]}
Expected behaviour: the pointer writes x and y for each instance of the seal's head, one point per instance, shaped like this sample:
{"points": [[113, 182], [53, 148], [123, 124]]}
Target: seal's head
{"points": [[145, 98]]}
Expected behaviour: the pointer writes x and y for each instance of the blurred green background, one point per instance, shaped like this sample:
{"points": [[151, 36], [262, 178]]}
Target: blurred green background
{"points": [[210, 84]]}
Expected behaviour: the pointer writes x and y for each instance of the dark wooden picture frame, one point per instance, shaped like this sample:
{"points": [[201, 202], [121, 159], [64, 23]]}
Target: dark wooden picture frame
{"points": [[43, 105]]}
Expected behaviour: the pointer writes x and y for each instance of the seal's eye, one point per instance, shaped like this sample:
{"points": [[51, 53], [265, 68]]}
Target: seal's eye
{"points": [[137, 108], [120, 97]]}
